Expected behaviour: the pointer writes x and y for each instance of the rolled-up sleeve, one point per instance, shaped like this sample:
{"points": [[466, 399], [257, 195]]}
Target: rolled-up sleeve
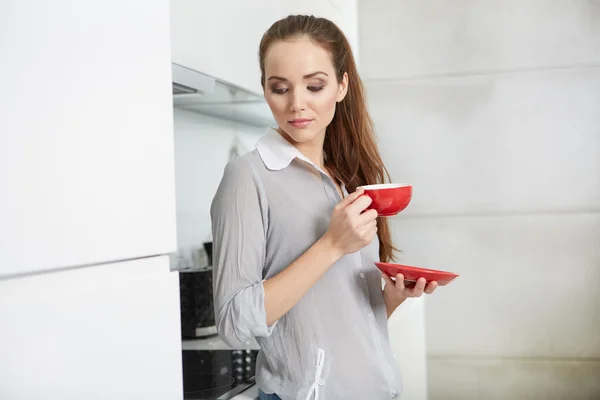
{"points": [[239, 214]]}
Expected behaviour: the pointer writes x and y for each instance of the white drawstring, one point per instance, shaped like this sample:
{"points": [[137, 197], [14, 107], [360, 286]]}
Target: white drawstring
{"points": [[318, 380]]}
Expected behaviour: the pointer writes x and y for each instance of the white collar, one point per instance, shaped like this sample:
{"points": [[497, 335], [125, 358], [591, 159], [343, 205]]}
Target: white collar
{"points": [[277, 153]]}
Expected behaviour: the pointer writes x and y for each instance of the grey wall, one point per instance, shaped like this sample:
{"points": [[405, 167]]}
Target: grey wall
{"points": [[492, 110]]}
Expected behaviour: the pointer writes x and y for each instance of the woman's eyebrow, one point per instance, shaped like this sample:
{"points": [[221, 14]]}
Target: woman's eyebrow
{"points": [[279, 78]]}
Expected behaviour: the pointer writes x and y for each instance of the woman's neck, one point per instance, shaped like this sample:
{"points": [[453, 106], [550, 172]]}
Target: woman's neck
{"points": [[313, 150]]}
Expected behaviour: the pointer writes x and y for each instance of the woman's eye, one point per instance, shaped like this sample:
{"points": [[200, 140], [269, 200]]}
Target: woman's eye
{"points": [[279, 90], [315, 88]]}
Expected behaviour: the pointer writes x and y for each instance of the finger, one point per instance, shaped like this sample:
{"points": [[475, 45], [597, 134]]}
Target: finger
{"points": [[431, 286], [368, 234], [419, 287], [371, 234], [369, 226], [346, 201], [388, 280], [359, 205], [367, 216], [409, 284], [400, 282]]}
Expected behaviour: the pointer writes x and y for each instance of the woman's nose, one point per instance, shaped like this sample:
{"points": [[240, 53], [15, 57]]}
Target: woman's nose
{"points": [[298, 103]]}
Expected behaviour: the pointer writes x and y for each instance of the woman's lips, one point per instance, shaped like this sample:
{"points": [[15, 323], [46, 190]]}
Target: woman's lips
{"points": [[300, 122]]}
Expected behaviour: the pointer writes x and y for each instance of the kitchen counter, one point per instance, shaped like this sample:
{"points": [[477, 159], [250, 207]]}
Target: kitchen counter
{"points": [[250, 394], [242, 392], [214, 343]]}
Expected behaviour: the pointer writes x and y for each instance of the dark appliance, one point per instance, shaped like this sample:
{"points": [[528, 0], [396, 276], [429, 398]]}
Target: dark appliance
{"points": [[196, 298], [208, 374]]}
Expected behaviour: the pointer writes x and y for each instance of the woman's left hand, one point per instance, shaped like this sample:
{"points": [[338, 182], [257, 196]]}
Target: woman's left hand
{"points": [[396, 292]]}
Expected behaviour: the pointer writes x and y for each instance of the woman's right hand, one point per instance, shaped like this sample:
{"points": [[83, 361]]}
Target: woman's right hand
{"points": [[351, 229]]}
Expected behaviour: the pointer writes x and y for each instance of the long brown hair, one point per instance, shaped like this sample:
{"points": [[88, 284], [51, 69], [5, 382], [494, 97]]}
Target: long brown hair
{"points": [[350, 149]]}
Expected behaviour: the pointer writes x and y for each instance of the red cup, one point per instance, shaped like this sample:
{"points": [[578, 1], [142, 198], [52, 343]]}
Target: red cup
{"points": [[390, 198]]}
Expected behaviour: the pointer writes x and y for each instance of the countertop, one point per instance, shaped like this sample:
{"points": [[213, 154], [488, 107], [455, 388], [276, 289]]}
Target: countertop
{"points": [[215, 343]]}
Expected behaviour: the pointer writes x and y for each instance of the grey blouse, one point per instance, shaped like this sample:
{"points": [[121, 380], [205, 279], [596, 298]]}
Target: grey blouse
{"points": [[271, 206]]}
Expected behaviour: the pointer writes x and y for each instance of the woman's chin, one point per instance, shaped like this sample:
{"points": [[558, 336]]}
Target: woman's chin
{"points": [[303, 135]]}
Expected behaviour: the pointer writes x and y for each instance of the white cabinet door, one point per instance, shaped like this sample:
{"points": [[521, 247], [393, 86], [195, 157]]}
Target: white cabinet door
{"points": [[407, 338], [108, 332], [221, 38], [86, 133]]}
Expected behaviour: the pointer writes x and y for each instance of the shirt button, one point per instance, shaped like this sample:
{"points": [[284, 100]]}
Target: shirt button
{"points": [[362, 275], [321, 382], [371, 316]]}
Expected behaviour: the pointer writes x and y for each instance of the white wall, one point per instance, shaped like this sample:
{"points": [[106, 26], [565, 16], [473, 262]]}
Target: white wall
{"points": [[344, 13], [202, 145], [492, 110]]}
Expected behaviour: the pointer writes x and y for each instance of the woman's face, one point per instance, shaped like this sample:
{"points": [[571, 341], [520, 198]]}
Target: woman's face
{"points": [[301, 88]]}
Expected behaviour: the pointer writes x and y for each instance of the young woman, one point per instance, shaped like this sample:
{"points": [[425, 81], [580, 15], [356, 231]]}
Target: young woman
{"points": [[294, 251]]}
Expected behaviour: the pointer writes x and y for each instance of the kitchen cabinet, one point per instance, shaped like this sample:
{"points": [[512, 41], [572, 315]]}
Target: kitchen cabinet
{"points": [[89, 307], [221, 38], [86, 138], [108, 332]]}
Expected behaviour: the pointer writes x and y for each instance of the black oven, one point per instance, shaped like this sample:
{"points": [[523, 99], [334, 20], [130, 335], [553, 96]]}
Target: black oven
{"points": [[210, 374]]}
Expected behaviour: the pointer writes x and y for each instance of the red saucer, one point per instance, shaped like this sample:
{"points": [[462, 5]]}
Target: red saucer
{"points": [[413, 273]]}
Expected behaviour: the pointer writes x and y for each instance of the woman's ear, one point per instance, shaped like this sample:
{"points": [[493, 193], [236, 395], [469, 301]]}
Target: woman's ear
{"points": [[343, 88]]}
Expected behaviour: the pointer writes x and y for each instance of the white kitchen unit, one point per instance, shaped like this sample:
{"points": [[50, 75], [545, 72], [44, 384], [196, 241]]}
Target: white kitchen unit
{"points": [[107, 332], [86, 134], [88, 306], [408, 340], [221, 38]]}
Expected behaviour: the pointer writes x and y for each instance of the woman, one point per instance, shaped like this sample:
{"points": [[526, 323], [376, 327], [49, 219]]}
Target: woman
{"points": [[294, 252]]}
